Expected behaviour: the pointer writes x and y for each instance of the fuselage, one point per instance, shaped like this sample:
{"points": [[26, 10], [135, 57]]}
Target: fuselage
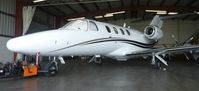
{"points": [[82, 38]]}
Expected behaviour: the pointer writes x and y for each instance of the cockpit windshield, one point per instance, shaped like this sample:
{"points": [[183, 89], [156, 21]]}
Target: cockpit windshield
{"points": [[76, 25]]}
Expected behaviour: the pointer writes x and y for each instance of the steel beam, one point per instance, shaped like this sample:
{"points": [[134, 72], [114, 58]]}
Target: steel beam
{"points": [[175, 4], [162, 2], [83, 6], [8, 14], [131, 8], [190, 2], [71, 8], [148, 2]]}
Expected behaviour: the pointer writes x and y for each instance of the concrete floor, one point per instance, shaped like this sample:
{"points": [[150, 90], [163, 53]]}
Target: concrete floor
{"points": [[111, 76]]}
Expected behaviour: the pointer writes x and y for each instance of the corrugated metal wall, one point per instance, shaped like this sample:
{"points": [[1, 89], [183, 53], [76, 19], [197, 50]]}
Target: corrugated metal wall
{"points": [[41, 22], [5, 54], [43, 18], [7, 6], [7, 23]]}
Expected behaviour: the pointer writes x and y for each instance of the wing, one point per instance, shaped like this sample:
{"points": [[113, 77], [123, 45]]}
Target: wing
{"points": [[179, 49], [157, 53]]}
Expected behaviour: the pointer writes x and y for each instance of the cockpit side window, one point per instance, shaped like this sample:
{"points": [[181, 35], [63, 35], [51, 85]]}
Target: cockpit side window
{"points": [[76, 25], [93, 26]]}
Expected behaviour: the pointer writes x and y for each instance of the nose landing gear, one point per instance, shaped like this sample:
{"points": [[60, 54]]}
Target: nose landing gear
{"points": [[51, 68]]}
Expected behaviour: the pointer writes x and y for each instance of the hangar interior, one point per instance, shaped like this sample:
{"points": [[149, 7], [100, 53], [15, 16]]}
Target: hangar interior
{"points": [[77, 74]]}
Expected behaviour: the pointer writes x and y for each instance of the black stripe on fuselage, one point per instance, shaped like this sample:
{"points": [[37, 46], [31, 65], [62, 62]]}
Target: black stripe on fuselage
{"points": [[136, 43]]}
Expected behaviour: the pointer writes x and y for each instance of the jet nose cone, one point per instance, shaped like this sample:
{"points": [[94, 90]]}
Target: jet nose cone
{"points": [[11, 45]]}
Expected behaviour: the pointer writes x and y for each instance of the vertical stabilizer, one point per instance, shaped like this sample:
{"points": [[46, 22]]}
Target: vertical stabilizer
{"points": [[157, 21], [153, 31]]}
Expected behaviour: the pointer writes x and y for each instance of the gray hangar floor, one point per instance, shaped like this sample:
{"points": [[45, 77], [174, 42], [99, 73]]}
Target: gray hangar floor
{"points": [[78, 75]]}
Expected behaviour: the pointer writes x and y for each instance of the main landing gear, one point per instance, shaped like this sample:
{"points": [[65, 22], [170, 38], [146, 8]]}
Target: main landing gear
{"points": [[50, 68], [96, 59], [157, 60]]}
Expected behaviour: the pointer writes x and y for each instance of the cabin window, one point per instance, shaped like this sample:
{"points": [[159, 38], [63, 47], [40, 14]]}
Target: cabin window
{"points": [[122, 31], [128, 32], [93, 26], [108, 29], [115, 30]]}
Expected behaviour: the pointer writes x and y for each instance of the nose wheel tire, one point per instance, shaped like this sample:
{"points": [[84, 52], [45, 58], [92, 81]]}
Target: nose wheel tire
{"points": [[52, 70]]}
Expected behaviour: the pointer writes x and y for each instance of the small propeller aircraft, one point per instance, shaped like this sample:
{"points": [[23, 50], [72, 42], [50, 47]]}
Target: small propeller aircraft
{"points": [[84, 37]]}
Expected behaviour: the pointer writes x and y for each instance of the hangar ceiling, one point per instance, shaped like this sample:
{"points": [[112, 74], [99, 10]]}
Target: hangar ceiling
{"points": [[120, 9]]}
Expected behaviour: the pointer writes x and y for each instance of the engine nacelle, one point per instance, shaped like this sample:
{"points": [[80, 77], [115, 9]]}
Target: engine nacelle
{"points": [[153, 32]]}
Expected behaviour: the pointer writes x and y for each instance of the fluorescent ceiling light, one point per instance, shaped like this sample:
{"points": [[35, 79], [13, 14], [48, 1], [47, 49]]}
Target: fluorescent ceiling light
{"points": [[36, 1], [111, 14], [120, 12], [162, 12], [157, 11], [97, 17], [108, 15], [76, 18], [173, 13]]}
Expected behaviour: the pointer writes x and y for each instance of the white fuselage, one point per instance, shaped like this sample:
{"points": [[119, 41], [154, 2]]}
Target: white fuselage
{"points": [[82, 38]]}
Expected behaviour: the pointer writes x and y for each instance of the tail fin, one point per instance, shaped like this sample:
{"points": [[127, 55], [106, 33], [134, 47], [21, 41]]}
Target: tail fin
{"points": [[157, 21], [153, 31]]}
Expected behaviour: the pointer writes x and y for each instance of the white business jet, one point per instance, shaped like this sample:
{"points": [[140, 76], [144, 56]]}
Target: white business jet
{"points": [[86, 37]]}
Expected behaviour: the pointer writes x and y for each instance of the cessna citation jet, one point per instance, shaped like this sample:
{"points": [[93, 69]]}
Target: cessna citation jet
{"points": [[84, 37]]}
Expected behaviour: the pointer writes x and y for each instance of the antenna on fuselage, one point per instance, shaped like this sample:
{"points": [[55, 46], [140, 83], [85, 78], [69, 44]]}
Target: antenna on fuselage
{"points": [[124, 25]]}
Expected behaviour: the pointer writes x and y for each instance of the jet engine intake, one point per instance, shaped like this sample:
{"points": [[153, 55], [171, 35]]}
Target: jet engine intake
{"points": [[153, 32]]}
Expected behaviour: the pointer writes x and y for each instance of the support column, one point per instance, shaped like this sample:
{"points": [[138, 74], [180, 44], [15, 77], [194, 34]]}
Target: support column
{"points": [[18, 20], [57, 23]]}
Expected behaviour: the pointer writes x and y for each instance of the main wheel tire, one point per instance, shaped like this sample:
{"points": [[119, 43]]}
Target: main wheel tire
{"points": [[98, 61], [197, 62], [157, 64]]}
